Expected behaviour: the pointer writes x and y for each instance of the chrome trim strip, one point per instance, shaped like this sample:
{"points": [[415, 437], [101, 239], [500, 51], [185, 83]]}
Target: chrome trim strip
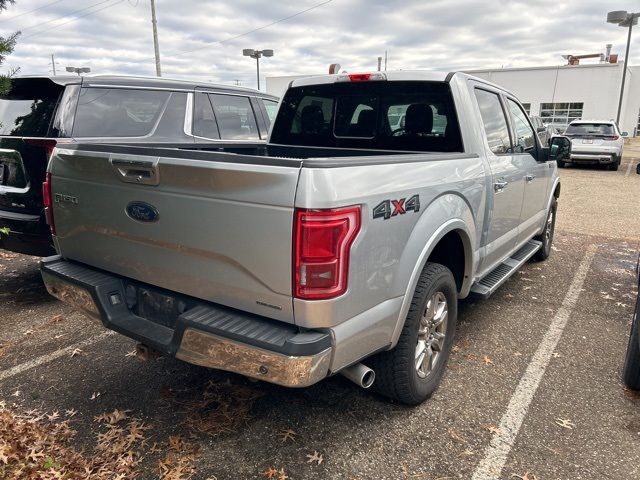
{"points": [[208, 350]]}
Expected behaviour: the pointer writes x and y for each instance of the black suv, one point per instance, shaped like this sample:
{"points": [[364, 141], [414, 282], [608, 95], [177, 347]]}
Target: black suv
{"points": [[42, 112]]}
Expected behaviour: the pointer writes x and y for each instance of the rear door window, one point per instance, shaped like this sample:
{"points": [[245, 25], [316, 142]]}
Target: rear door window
{"points": [[494, 120], [235, 117], [28, 108], [118, 112]]}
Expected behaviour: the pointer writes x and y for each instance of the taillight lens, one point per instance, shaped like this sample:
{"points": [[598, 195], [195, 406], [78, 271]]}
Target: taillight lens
{"points": [[47, 201], [612, 137], [322, 242]]}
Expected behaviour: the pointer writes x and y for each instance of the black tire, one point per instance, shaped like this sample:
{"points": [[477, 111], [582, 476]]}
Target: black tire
{"points": [[631, 374], [546, 237], [561, 163], [615, 165], [396, 373]]}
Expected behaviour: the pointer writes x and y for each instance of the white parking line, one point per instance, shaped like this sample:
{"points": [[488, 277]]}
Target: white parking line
{"points": [[23, 367], [629, 167], [496, 453]]}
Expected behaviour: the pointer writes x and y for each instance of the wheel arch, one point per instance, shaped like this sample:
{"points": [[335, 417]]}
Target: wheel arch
{"points": [[451, 243]]}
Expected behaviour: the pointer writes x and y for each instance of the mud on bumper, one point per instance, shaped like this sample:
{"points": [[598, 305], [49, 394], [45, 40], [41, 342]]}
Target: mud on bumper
{"points": [[203, 333]]}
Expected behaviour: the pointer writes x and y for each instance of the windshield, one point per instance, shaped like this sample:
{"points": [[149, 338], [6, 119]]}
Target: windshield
{"points": [[598, 129], [28, 108], [409, 116]]}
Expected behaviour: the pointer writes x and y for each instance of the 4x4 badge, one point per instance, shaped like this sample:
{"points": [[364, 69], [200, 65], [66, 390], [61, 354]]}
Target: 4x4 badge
{"points": [[391, 208]]}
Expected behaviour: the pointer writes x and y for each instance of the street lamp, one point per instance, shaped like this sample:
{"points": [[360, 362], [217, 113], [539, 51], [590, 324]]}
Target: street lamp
{"points": [[250, 52], [78, 70], [623, 19]]}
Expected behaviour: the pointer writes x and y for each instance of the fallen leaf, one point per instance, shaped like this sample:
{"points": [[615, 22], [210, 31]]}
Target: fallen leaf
{"points": [[288, 435], [493, 429], [316, 457], [270, 473], [28, 332], [565, 423], [487, 360], [517, 354], [556, 355], [54, 416], [95, 395], [132, 353], [71, 412], [282, 475], [56, 318], [76, 351], [526, 474]]}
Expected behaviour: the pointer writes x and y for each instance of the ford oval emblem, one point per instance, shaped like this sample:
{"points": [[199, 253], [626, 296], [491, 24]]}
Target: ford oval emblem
{"points": [[142, 212]]}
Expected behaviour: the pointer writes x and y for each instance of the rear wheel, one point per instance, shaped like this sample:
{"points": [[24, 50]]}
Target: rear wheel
{"points": [[412, 371], [616, 164], [547, 235], [561, 163], [631, 375]]}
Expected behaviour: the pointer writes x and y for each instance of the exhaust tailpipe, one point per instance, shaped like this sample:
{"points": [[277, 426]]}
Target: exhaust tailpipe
{"points": [[359, 374]]}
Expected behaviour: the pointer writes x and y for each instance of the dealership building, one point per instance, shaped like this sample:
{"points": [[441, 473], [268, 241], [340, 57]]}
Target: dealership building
{"points": [[558, 94]]}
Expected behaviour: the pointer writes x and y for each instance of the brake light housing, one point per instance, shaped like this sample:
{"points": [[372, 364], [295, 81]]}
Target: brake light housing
{"points": [[47, 201], [321, 247], [612, 137], [361, 77]]}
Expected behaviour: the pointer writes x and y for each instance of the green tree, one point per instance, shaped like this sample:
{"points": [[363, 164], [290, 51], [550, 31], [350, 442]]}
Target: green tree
{"points": [[6, 47]]}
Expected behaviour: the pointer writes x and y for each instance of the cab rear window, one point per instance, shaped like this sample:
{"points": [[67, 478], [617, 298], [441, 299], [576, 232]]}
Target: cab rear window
{"points": [[118, 112], [410, 116]]}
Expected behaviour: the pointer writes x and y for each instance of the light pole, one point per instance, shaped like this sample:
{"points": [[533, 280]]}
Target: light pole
{"points": [[250, 52], [78, 70], [623, 19], [156, 48]]}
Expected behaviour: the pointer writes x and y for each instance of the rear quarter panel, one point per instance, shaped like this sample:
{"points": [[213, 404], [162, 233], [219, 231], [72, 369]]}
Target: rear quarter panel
{"points": [[387, 253]]}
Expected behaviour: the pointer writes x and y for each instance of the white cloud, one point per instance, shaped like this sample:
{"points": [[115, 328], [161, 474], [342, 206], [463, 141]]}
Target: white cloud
{"points": [[432, 34]]}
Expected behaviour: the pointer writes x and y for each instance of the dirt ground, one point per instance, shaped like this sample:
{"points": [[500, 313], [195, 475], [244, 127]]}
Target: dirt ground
{"points": [[500, 404]]}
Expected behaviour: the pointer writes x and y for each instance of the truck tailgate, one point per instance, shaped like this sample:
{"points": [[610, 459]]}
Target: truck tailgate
{"points": [[211, 229]]}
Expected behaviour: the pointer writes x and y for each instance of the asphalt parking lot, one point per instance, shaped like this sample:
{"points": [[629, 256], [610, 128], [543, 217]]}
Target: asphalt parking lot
{"points": [[533, 387]]}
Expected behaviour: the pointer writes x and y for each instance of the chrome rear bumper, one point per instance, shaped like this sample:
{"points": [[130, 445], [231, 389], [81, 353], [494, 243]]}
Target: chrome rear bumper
{"points": [[204, 334]]}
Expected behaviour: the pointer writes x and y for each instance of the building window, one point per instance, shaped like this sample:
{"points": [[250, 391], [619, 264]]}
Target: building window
{"points": [[560, 114], [527, 108]]}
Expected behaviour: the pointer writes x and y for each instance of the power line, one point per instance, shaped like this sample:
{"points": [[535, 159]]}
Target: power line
{"points": [[250, 31], [63, 16], [31, 11], [72, 20]]}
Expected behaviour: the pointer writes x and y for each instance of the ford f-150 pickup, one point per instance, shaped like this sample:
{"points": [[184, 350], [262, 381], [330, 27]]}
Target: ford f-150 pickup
{"points": [[346, 240]]}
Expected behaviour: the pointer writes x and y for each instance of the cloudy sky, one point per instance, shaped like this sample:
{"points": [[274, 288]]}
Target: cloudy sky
{"points": [[204, 39]]}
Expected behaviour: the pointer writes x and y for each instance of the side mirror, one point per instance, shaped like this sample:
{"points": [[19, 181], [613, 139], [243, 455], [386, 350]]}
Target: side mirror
{"points": [[559, 148], [625, 134]]}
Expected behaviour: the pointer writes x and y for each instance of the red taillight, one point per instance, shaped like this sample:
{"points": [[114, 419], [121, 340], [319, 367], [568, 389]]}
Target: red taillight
{"points": [[359, 77], [322, 242], [612, 137], [47, 201]]}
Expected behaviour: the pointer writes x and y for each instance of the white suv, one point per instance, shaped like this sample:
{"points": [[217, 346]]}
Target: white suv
{"points": [[595, 141]]}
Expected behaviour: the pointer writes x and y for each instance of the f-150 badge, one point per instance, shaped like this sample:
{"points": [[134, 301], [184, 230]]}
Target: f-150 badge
{"points": [[391, 208]]}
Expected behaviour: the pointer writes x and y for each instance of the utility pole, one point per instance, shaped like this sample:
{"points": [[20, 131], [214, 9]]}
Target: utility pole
{"points": [[379, 63], [237, 82], [53, 64], [155, 38], [385, 60]]}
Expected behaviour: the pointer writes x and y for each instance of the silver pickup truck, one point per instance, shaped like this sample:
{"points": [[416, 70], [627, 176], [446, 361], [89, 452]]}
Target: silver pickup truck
{"points": [[348, 238]]}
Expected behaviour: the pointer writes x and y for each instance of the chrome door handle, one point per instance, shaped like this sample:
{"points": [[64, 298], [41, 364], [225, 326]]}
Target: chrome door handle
{"points": [[500, 185], [529, 178]]}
